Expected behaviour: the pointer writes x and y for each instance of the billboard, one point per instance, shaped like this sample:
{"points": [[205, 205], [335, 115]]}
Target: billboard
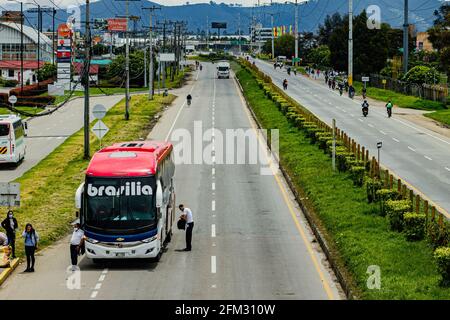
{"points": [[117, 24], [166, 57], [219, 25], [64, 31]]}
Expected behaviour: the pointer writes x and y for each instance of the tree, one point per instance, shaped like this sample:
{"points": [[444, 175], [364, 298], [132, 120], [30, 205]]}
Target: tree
{"points": [[116, 70], [331, 23], [320, 56], [439, 35], [47, 71], [284, 46], [421, 75]]}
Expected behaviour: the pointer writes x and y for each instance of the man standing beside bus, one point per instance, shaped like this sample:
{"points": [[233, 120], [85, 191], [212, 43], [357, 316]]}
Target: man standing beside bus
{"points": [[187, 216]]}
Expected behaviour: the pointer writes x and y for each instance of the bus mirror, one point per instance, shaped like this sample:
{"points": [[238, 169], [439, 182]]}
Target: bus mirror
{"points": [[78, 196], [77, 214], [159, 195], [26, 125]]}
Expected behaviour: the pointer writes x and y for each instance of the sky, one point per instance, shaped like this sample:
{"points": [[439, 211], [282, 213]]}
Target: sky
{"points": [[65, 3]]}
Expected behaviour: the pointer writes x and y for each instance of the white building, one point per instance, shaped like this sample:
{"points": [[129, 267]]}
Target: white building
{"points": [[10, 53]]}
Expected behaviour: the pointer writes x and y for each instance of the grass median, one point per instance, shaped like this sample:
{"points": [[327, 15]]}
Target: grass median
{"points": [[443, 116], [357, 235], [48, 189]]}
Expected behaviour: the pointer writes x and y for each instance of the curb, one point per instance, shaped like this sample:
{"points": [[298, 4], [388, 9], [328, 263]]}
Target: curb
{"points": [[5, 274], [320, 238]]}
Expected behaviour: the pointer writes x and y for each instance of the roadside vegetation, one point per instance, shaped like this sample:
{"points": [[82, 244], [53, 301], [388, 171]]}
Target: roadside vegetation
{"points": [[442, 116], [358, 233], [48, 189]]}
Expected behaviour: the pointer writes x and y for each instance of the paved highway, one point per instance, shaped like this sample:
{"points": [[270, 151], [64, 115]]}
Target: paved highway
{"points": [[419, 156], [250, 240], [48, 132]]}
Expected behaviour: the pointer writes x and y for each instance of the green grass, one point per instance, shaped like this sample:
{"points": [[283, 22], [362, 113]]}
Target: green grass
{"points": [[26, 109], [357, 236], [442, 116], [399, 99], [48, 189]]}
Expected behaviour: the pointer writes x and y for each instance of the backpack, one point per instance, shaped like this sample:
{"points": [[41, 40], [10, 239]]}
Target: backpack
{"points": [[181, 224]]}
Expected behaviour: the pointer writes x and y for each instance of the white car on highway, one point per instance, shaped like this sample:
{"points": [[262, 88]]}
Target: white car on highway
{"points": [[223, 69]]}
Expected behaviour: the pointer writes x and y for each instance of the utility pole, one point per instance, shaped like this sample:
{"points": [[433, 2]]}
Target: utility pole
{"points": [[405, 38], [53, 35], [296, 32], [273, 36], [350, 43], [21, 46], [207, 34], [86, 84], [39, 40], [239, 31], [145, 65], [151, 72]]}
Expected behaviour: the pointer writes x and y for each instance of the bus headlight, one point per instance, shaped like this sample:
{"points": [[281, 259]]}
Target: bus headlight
{"points": [[149, 239], [90, 240]]}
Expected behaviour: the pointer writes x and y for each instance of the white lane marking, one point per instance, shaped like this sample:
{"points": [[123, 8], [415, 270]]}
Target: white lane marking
{"points": [[105, 271], [213, 159], [179, 111], [213, 171], [370, 125], [213, 186], [427, 157], [383, 132], [396, 140], [102, 277], [213, 215], [213, 231], [214, 286], [94, 294], [413, 150], [213, 244], [213, 264], [98, 286], [213, 205], [352, 115], [448, 169], [361, 120]]}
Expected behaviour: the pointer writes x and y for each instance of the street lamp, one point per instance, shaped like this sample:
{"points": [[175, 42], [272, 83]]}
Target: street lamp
{"points": [[21, 43], [297, 2]]}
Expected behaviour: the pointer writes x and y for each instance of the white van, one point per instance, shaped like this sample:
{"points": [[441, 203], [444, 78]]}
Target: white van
{"points": [[12, 139], [223, 69]]}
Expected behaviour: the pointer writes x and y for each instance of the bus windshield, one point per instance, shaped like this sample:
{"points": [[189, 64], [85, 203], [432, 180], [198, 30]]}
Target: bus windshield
{"points": [[223, 68], [4, 129], [120, 203]]}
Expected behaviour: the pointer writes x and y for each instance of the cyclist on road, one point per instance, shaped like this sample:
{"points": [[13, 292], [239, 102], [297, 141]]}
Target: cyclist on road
{"points": [[389, 106]]}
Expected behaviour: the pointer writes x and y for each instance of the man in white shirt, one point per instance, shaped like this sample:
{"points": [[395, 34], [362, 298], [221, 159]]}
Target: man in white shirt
{"points": [[187, 215], [76, 242]]}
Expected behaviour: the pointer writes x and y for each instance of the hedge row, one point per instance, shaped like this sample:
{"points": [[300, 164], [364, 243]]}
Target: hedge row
{"points": [[394, 204], [32, 89]]}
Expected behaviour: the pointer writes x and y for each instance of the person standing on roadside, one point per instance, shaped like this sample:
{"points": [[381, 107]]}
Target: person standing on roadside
{"points": [[76, 244], [187, 216], [10, 225], [31, 243]]}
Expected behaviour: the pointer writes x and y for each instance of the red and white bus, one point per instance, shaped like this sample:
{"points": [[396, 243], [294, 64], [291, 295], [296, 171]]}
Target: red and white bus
{"points": [[127, 202]]}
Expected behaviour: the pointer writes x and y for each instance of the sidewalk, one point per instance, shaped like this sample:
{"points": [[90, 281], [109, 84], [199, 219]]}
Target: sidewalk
{"points": [[413, 115]]}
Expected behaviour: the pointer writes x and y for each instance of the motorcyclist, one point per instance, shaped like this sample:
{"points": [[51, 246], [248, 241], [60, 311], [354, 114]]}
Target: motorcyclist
{"points": [[289, 70], [365, 106], [189, 99], [201, 67], [389, 106], [341, 88], [295, 72], [351, 91]]}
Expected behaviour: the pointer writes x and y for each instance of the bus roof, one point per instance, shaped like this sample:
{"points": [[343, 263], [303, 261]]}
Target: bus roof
{"points": [[133, 158], [9, 118]]}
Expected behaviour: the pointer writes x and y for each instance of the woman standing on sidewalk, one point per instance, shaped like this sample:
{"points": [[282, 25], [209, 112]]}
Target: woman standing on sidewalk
{"points": [[10, 225], [31, 242]]}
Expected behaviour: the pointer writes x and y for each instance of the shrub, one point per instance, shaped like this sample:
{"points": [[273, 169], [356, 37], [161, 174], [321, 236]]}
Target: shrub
{"points": [[395, 209], [357, 175], [32, 90], [372, 188], [442, 257], [414, 225], [323, 138], [384, 195], [299, 121], [437, 235], [284, 107], [341, 160]]}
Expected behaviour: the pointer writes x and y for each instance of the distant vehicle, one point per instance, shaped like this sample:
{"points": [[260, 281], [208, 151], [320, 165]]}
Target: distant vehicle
{"points": [[223, 69], [127, 202], [12, 139], [281, 59]]}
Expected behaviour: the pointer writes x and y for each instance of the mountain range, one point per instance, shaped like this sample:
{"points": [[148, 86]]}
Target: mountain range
{"points": [[311, 14]]}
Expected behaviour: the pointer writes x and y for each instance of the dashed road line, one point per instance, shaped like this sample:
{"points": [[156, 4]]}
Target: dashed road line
{"points": [[94, 294], [396, 140], [370, 125], [213, 186], [213, 231], [413, 150], [448, 169], [213, 264], [213, 171], [213, 205], [427, 157], [361, 120], [383, 132]]}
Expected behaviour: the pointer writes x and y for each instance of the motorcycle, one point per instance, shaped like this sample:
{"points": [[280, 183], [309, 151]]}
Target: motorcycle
{"points": [[365, 111], [341, 91], [389, 112]]}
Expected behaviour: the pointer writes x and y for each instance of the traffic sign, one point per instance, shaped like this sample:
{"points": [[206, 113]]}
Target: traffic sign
{"points": [[12, 99], [379, 144], [100, 129], [99, 111], [365, 79], [9, 194]]}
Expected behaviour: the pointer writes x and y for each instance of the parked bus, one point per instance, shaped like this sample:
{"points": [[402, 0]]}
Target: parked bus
{"points": [[127, 202], [12, 139]]}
